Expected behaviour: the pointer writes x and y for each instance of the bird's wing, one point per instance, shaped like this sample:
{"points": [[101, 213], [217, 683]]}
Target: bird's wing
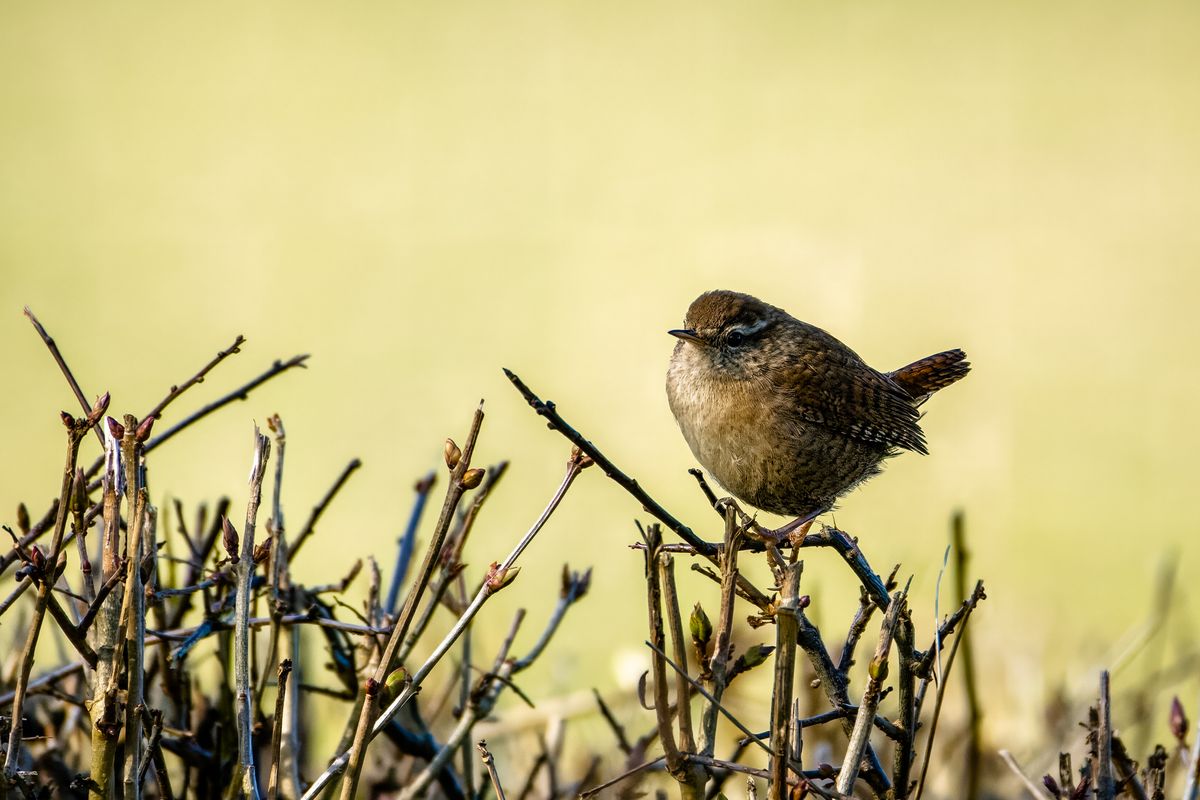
{"points": [[834, 388]]}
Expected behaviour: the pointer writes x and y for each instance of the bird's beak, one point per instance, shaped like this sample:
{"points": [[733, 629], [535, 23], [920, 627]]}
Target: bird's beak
{"points": [[687, 335]]}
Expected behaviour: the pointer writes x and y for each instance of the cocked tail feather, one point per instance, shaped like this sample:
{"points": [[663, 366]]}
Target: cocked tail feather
{"points": [[922, 378]]}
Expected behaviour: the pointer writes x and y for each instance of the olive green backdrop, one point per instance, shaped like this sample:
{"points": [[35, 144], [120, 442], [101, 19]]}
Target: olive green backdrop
{"points": [[419, 194]]}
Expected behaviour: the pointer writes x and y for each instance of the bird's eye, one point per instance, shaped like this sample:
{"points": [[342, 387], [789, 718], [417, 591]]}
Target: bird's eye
{"points": [[735, 338]]}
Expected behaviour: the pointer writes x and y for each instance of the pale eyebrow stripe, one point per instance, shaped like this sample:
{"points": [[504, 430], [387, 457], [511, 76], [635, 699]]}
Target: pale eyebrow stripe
{"points": [[750, 330]]}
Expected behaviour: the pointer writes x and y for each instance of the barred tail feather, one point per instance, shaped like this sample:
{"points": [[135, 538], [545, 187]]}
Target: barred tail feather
{"points": [[922, 378]]}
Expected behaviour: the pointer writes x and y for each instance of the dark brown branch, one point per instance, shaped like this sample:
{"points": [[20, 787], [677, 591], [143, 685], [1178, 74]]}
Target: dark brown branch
{"points": [[176, 391], [240, 393], [787, 625], [320, 507], [547, 410], [52, 346]]}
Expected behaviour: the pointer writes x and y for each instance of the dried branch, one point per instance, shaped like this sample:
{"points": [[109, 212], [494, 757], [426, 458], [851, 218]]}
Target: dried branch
{"points": [[408, 540], [240, 393], [864, 720], [320, 507], [490, 763], [454, 492], [500, 574], [548, 411], [281, 681], [787, 625], [175, 391], [242, 665], [46, 575], [52, 346]]}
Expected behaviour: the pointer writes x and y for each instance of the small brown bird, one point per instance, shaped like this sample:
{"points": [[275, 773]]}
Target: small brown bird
{"points": [[785, 416]]}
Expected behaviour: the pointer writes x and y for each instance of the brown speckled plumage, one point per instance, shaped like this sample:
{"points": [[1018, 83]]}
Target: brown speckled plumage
{"points": [[782, 414]]}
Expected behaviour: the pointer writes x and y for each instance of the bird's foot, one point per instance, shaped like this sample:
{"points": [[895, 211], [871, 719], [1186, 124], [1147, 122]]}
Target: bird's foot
{"points": [[793, 533]]}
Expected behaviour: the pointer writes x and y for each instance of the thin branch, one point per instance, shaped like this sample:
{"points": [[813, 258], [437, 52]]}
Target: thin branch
{"points": [[863, 721], [242, 665], [285, 669], [629, 773], [52, 346], [490, 763], [576, 463], [240, 393], [320, 507], [407, 540], [548, 411], [1029, 785], [176, 391], [454, 493], [1105, 783], [49, 573], [787, 624]]}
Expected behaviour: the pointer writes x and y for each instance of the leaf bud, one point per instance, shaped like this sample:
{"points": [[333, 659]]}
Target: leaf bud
{"points": [[472, 478], [452, 453]]}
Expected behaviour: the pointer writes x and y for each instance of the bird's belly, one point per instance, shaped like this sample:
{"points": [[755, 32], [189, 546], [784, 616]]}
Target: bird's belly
{"points": [[768, 459]]}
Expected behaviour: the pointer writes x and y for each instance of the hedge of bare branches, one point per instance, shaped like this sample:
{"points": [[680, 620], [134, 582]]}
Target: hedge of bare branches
{"points": [[127, 590]]}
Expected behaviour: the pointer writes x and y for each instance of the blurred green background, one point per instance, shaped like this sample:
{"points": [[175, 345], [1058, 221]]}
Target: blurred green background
{"points": [[419, 194]]}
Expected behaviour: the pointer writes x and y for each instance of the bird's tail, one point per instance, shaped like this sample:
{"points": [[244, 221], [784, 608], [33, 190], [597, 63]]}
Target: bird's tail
{"points": [[922, 378]]}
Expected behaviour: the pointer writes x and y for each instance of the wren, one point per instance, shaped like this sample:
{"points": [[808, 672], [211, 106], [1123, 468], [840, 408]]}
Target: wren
{"points": [[783, 415]]}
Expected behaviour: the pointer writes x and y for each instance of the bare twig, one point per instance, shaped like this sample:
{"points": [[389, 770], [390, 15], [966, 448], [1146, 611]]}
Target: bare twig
{"points": [[690, 779], [320, 507], [48, 575], [1034, 790], [240, 393], [490, 763], [408, 540], [864, 720], [52, 346], [285, 668], [176, 391], [787, 625], [454, 492], [629, 773], [245, 572], [721, 643], [550, 414], [576, 463], [1105, 783]]}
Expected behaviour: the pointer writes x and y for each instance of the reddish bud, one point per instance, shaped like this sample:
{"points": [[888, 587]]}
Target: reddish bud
{"points": [[497, 578], [229, 537], [1051, 786], [1178, 720], [143, 430], [262, 551], [98, 409], [115, 428], [67, 419], [579, 457]]}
